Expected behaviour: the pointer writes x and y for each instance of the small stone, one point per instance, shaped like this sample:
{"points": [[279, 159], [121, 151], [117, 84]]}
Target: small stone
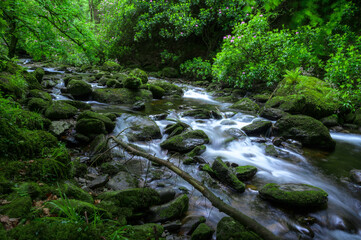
{"points": [[355, 175], [99, 181]]}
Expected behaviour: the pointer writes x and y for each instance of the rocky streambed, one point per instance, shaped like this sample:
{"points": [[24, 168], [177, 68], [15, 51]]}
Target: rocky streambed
{"points": [[285, 171]]}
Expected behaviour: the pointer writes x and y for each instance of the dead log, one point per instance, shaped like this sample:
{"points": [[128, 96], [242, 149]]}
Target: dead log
{"points": [[216, 202]]}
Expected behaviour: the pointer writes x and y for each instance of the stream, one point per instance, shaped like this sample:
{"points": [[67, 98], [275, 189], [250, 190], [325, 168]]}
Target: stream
{"points": [[329, 171]]}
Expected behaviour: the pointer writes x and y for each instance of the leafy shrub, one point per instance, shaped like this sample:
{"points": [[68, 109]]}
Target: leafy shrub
{"points": [[255, 54], [197, 69]]}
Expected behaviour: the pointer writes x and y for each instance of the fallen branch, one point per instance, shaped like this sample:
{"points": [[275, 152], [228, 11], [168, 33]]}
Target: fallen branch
{"points": [[216, 202]]}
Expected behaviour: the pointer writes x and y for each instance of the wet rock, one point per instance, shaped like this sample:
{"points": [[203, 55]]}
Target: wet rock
{"points": [[121, 181], [203, 114], [99, 182], [173, 226], [228, 228], [176, 128], [170, 211], [38, 105], [257, 128], [39, 74], [141, 128], [271, 151], [246, 105], [158, 117], [297, 196], [79, 89], [272, 113], [236, 133], [138, 106], [58, 128], [112, 168], [132, 82], [185, 142], [157, 91], [60, 110], [244, 173], [143, 76], [228, 122], [191, 223], [111, 66], [166, 195], [78, 104], [109, 124], [355, 175], [330, 121], [90, 127], [197, 151], [226, 176], [113, 83], [309, 131], [202, 232], [121, 95]]}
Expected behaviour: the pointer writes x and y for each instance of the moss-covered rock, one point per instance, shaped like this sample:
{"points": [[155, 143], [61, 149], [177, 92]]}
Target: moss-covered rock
{"points": [[157, 91], [330, 121], [72, 191], [90, 127], [228, 229], [79, 89], [132, 82], [36, 93], [305, 95], [270, 150], [246, 105], [39, 74], [120, 213], [143, 76], [121, 95], [257, 128], [59, 230], [202, 232], [78, 104], [113, 83], [135, 198], [226, 176], [272, 113], [109, 124], [170, 89], [111, 66], [294, 195], [197, 151], [32, 81], [170, 72], [307, 130], [145, 231], [141, 128], [203, 114], [170, 211], [186, 141], [244, 173], [176, 128], [60, 110], [38, 105], [121, 181]]}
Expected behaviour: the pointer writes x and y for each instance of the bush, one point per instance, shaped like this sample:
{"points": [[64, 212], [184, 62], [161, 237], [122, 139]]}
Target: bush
{"points": [[197, 69], [255, 54]]}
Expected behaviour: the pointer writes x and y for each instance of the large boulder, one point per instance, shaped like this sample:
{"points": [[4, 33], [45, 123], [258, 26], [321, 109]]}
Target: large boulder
{"points": [[157, 91], [307, 130], [140, 74], [297, 196], [109, 124], [226, 176], [121, 181], [170, 211], [246, 105], [186, 141], [305, 95], [121, 95], [90, 127], [79, 89], [141, 128], [60, 110], [132, 82], [203, 114], [169, 88], [228, 229]]}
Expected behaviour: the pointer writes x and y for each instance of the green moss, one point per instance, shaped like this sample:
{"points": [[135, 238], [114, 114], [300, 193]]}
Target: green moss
{"points": [[170, 89], [32, 82], [246, 105], [228, 229], [136, 198], [90, 127], [59, 230], [157, 91], [294, 195], [143, 76], [72, 191], [36, 93], [116, 211], [174, 209], [262, 98], [18, 207], [38, 105], [186, 142], [145, 231], [31, 189], [78, 104], [132, 82], [113, 83], [225, 175], [245, 172], [111, 66], [109, 125], [39, 74], [79, 88], [121, 95], [202, 232], [197, 151], [257, 128], [60, 110]]}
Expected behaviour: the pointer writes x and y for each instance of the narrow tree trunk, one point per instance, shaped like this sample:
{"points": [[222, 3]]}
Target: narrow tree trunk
{"points": [[13, 41], [217, 202]]}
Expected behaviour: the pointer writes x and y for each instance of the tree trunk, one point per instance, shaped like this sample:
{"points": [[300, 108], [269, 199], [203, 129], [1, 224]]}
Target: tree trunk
{"points": [[13, 41], [217, 202]]}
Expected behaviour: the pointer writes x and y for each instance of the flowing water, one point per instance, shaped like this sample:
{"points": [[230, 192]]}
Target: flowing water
{"points": [[341, 219]]}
